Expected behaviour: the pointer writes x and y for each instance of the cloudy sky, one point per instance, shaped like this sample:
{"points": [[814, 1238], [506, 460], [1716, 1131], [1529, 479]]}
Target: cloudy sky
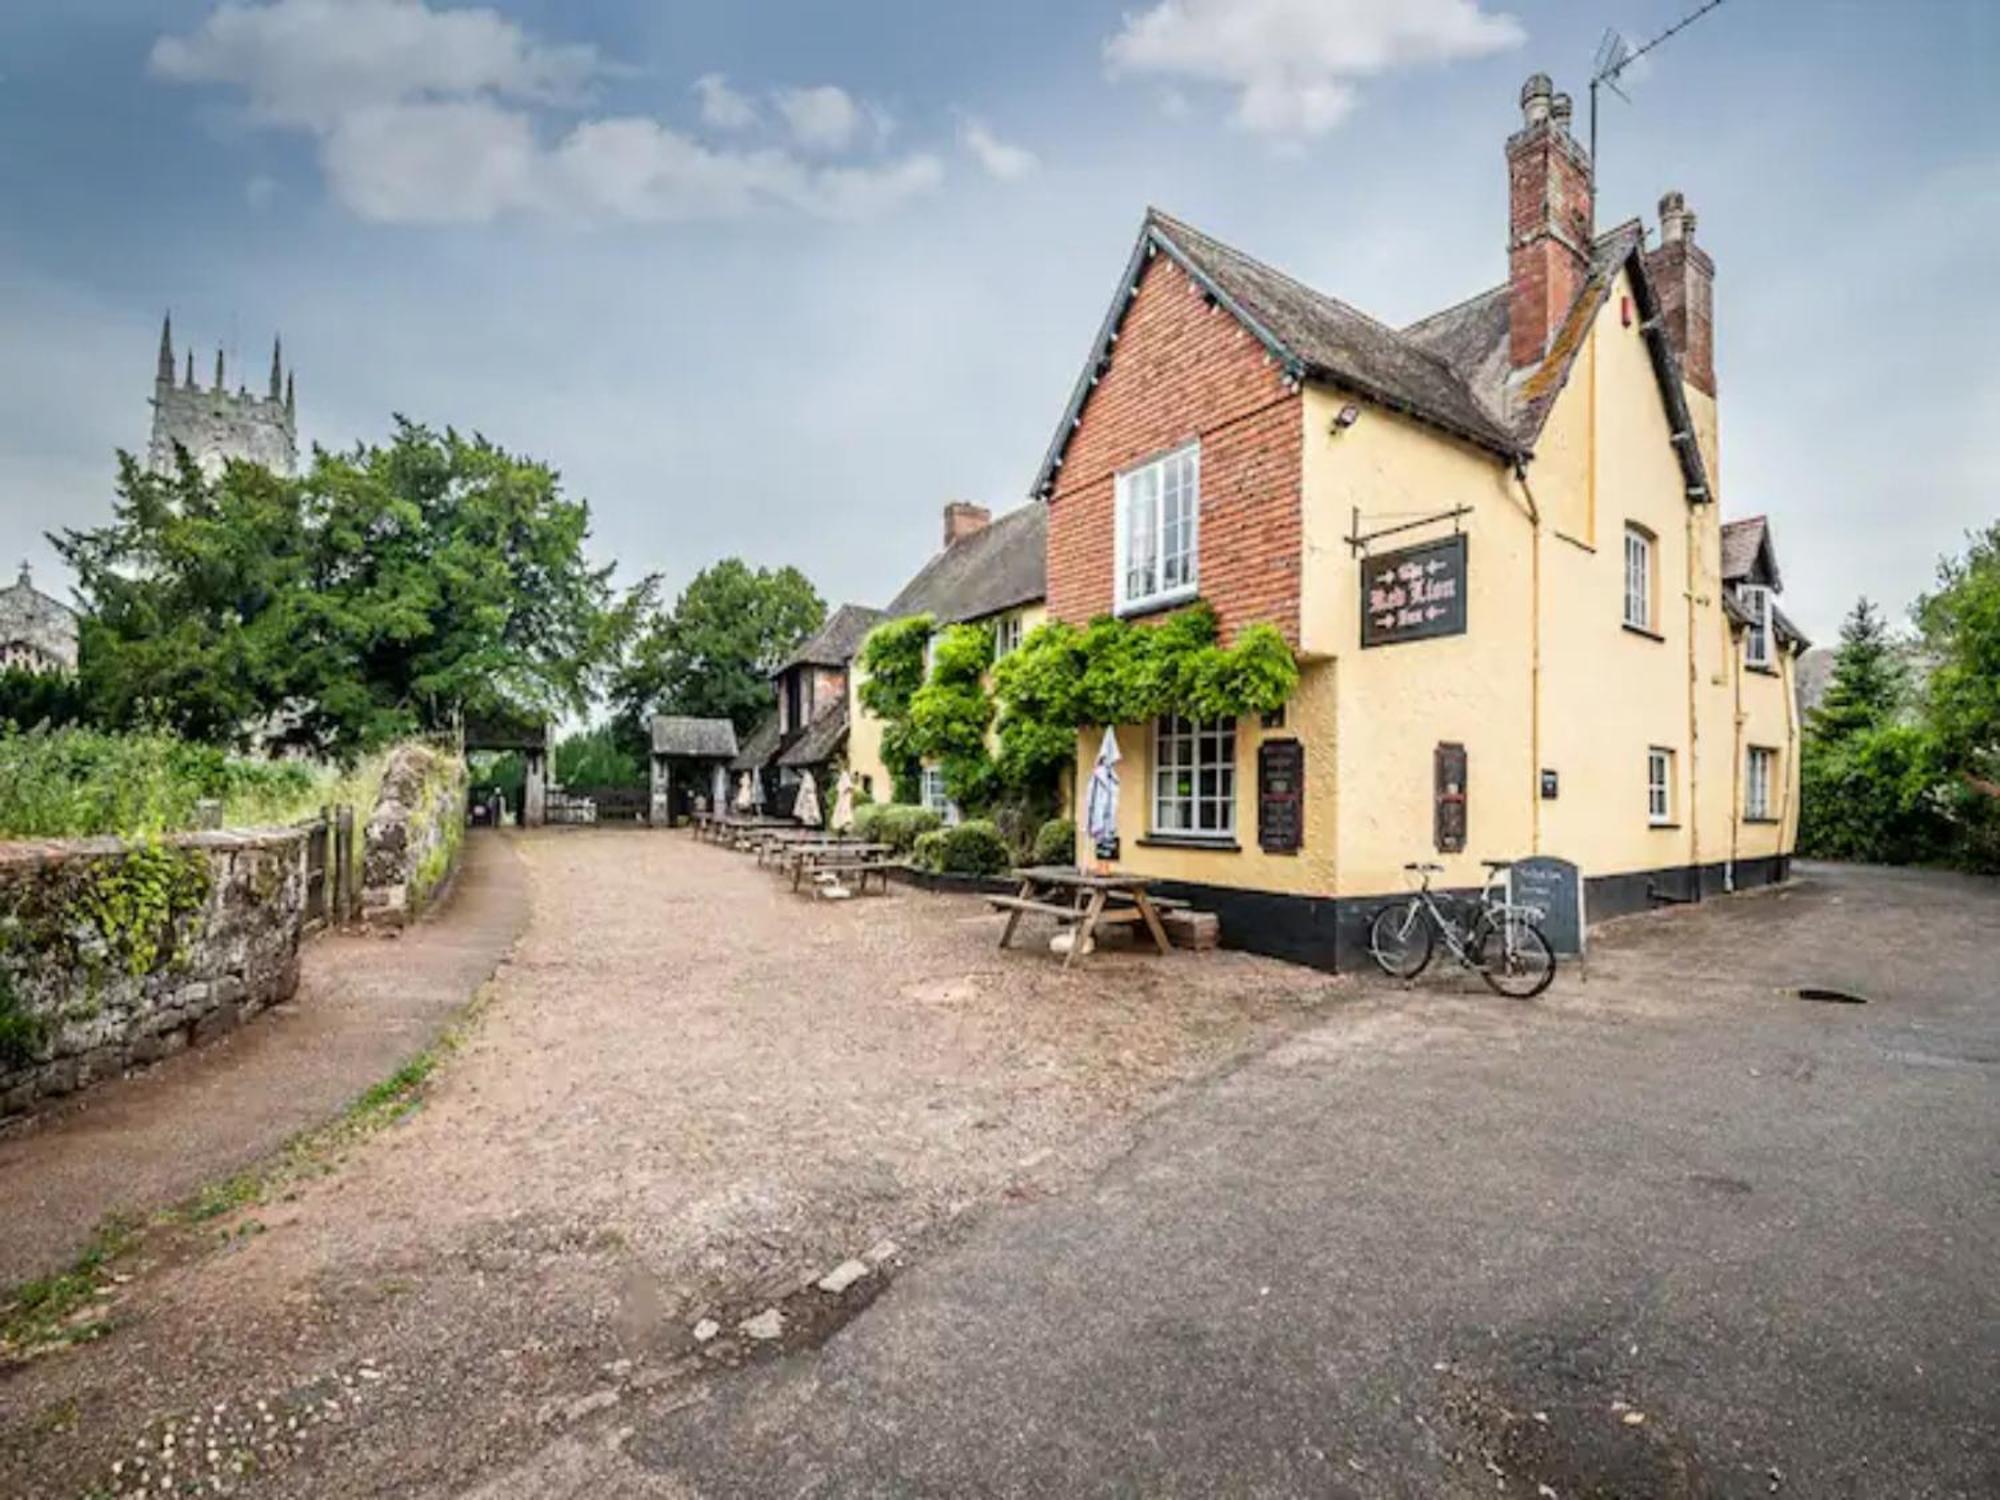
{"points": [[779, 277]]}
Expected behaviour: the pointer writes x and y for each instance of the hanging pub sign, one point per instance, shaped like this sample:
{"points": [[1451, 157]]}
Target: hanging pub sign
{"points": [[1413, 594], [1281, 796]]}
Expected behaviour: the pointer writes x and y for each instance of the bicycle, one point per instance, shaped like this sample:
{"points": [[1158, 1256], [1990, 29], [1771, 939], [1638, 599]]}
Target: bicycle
{"points": [[1502, 942]]}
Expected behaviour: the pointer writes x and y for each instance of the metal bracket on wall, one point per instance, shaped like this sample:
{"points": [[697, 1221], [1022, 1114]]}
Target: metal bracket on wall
{"points": [[1357, 541]]}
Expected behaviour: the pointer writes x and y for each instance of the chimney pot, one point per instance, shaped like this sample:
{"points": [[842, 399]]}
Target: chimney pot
{"points": [[962, 518], [1560, 109], [1535, 99]]}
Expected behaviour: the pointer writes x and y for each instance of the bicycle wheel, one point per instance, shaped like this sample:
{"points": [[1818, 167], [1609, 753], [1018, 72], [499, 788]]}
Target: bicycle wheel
{"points": [[1513, 957], [1400, 939]]}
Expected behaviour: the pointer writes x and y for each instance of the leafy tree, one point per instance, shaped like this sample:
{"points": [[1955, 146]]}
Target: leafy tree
{"points": [[29, 699], [388, 589], [1868, 683], [1866, 772], [712, 656], [597, 758], [1960, 626]]}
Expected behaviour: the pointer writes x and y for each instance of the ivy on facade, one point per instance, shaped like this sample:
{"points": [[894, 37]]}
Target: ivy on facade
{"points": [[1062, 679], [893, 659]]}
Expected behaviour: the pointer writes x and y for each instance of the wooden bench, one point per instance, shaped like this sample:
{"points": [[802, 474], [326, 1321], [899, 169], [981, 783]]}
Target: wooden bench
{"points": [[1018, 904], [830, 874]]}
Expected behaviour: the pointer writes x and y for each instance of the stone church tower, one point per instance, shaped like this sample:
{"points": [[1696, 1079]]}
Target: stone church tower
{"points": [[215, 424]]}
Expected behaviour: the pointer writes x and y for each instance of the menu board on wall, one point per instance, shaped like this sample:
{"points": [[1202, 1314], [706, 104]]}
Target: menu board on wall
{"points": [[1281, 796], [1413, 594]]}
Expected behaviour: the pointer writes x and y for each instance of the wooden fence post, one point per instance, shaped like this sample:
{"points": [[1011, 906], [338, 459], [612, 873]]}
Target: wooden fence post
{"points": [[349, 906]]}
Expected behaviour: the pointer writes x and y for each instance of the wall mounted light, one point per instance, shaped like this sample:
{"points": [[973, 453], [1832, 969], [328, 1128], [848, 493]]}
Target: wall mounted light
{"points": [[1343, 419]]}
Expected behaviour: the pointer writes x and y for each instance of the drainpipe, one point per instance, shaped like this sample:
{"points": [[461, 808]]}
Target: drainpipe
{"points": [[1694, 717], [1736, 770], [1534, 661]]}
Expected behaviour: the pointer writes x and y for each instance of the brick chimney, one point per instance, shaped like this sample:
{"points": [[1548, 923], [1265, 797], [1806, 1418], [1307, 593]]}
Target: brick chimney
{"points": [[962, 518], [1683, 277], [1548, 221]]}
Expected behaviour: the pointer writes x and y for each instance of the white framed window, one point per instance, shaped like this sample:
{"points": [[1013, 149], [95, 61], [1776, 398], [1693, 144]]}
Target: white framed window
{"points": [[1006, 635], [1159, 508], [1638, 578], [931, 794], [1759, 766], [1756, 601], [1659, 786], [1194, 777]]}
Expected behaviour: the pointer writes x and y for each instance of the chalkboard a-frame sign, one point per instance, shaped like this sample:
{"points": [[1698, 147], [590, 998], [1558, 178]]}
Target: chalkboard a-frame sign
{"points": [[1281, 796], [1413, 594]]}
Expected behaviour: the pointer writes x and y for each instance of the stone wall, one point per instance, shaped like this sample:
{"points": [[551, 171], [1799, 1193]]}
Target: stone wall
{"points": [[117, 953], [414, 834]]}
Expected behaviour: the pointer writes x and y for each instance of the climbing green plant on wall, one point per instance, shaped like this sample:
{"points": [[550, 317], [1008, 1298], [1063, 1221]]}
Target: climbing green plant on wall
{"points": [[951, 713], [893, 659], [1063, 679], [138, 903]]}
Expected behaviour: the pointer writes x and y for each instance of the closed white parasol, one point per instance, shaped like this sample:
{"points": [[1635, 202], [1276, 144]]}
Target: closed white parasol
{"points": [[1101, 808], [743, 803], [806, 809], [843, 803]]}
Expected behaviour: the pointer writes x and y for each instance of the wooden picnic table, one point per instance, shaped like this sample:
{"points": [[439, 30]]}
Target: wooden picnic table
{"points": [[1083, 900], [724, 826], [838, 855]]}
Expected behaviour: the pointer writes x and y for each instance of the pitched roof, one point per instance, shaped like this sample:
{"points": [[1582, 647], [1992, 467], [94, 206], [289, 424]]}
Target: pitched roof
{"points": [[1451, 371], [1747, 552], [835, 642], [708, 739], [758, 748], [821, 740], [1002, 565]]}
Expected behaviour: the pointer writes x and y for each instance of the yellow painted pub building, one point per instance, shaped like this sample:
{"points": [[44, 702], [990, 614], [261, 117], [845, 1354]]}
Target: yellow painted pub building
{"points": [[1495, 541]]}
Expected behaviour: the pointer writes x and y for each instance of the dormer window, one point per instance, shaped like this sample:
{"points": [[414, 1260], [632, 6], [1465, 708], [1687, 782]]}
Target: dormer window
{"points": [[1756, 601], [1159, 504]]}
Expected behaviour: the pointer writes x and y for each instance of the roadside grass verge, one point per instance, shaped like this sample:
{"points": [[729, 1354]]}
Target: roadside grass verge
{"points": [[74, 1305]]}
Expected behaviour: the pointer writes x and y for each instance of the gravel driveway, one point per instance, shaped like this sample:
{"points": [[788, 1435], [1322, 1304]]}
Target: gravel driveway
{"points": [[692, 1095]]}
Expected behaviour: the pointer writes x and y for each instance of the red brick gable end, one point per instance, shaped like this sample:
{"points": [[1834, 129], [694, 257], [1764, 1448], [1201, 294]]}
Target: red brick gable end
{"points": [[1183, 368]]}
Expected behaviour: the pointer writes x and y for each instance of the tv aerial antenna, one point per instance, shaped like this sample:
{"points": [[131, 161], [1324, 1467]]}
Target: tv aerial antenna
{"points": [[1615, 55]]}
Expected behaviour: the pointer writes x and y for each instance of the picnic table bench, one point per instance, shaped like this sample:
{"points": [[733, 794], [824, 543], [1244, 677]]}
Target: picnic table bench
{"points": [[1083, 901], [838, 856]]}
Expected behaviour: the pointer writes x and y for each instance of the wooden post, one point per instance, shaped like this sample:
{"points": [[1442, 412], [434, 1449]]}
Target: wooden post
{"points": [[348, 904]]}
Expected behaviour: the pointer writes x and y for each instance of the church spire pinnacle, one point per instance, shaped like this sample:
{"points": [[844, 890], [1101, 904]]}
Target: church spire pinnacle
{"points": [[218, 367], [291, 399], [165, 375], [277, 364]]}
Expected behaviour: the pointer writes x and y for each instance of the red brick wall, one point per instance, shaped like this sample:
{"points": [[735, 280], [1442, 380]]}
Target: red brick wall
{"points": [[1182, 370]]}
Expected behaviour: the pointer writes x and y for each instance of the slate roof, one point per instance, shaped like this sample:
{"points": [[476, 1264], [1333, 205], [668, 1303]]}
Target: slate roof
{"points": [[1451, 371], [835, 642], [821, 740], [758, 748], [1747, 552], [1001, 566], [701, 739]]}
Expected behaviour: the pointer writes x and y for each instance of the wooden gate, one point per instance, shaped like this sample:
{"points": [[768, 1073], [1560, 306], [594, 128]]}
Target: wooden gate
{"points": [[331, 869]]}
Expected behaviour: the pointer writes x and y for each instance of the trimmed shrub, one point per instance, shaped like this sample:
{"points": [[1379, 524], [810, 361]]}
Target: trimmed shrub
{"points": [[928, 851], [1055, 843], [897, 824], [973, 848]]}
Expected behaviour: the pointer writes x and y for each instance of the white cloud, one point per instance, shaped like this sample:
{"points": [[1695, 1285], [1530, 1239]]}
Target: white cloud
{"points": [[721, 106], [311, 63], [437, 116], [825, 118], [1292, 62], [1007, 163]]}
